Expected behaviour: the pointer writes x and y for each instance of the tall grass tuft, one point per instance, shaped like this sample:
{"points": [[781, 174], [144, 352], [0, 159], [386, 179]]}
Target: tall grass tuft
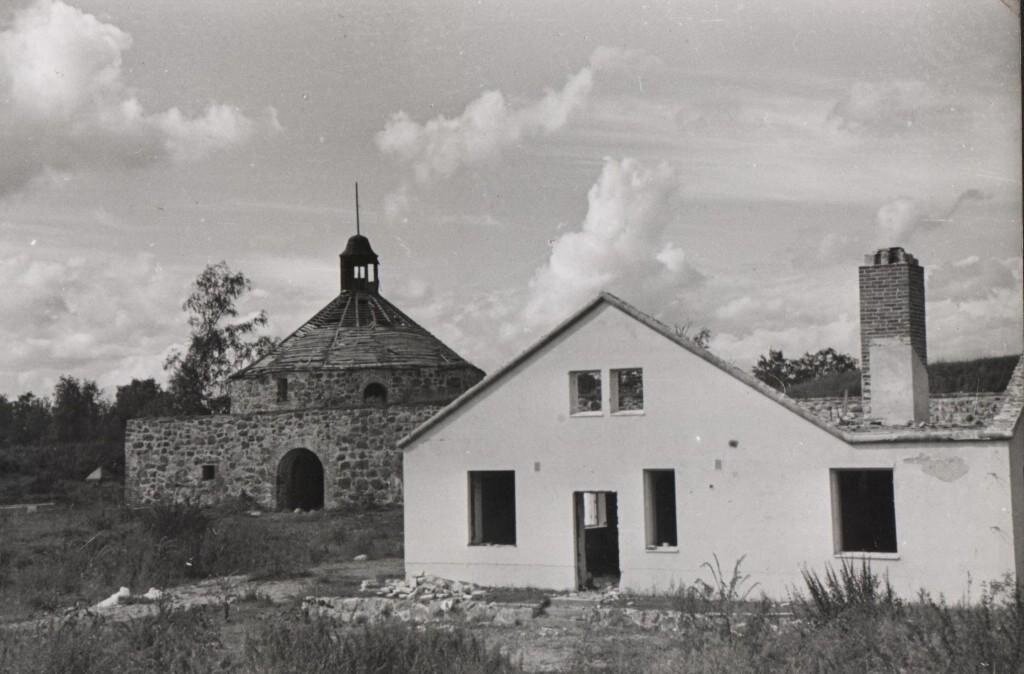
{"points": [[170, 641], [289, 646], [850, 587]]}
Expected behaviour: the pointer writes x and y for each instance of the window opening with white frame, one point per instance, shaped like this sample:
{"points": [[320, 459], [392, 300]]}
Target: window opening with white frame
{"points": [[585, 392], [627, 390]]}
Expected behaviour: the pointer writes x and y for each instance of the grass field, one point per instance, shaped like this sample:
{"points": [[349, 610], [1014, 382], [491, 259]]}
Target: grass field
{"points": [[78, 553], [844, 620]]}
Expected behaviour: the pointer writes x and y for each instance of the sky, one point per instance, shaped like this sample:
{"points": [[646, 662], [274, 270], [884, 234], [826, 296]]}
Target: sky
{"points": [[725, 164]]}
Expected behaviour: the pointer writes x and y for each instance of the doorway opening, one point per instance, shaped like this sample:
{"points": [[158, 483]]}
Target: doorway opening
{"points": [[597, 539], [300, 481]]}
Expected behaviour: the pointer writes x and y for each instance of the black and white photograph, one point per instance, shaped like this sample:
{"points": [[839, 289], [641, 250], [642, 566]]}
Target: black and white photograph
{"points": [[528, 336]]}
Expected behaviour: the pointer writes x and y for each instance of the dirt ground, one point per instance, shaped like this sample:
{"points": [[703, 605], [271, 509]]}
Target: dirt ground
{"points": [[557, 640], [549, 642]]}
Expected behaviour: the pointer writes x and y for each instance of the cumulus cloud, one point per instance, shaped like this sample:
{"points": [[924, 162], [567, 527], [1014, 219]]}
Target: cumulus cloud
{"points": [[884, 108], [974, 307], [465, 322], [619, 247], [64, 105], [973, 278], [438, 147], [105, 316]]}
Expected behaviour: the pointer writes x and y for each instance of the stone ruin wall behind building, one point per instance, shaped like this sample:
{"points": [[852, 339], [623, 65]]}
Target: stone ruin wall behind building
{"points": [[324, 413], [344, 388], [164, 457]]}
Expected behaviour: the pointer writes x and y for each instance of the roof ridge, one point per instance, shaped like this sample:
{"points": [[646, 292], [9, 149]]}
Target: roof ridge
{"points": [[879, 435], [338, 338], [337, 330]]}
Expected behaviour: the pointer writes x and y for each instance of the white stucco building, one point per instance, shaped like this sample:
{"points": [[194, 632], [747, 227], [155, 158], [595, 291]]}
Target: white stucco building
{"points": [[614, 448]]}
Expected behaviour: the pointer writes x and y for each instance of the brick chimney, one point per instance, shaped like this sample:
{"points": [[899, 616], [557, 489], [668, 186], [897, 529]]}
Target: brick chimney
{"points": [[893, 351]]}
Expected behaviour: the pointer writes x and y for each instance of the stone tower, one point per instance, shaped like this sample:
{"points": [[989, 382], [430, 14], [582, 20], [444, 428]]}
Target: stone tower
{"points": [[894, 354], [313, 424], [358, 350]]}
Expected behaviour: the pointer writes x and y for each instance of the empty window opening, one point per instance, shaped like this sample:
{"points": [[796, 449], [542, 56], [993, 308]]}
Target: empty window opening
{"points": [[282, 389], [209, 471], [585, 391], [597, 539], [864, 510], [300, 481], [371, 271], [627, 390], [492, 507], [375, 394], [660, 508]]}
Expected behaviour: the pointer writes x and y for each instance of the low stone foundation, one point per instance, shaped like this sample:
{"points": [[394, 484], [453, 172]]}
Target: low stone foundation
{"points": [[208, 458], [367, 610]]}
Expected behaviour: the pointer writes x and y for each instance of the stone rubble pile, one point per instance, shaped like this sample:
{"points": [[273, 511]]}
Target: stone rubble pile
{"points": [[124, 595], [610, 594], [422, 587]]}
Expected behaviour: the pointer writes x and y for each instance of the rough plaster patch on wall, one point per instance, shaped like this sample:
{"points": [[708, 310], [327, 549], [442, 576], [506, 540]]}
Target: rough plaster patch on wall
{"points": [[945, 469]]}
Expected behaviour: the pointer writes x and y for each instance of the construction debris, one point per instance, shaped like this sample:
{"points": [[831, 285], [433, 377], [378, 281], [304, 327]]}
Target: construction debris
{"points": [[153, 594], [118, 597], [424, 588]]}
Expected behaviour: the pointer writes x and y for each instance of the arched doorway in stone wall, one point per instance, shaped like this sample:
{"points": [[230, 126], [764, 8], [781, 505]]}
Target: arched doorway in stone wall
{"points": [[300, 481]]}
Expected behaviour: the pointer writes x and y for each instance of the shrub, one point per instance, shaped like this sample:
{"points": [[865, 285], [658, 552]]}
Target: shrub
{"points": [[175, 521], [242, 545], [851, 587], [723, 596]]}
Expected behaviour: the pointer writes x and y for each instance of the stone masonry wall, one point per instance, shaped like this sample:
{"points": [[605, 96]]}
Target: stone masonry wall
{"points": [[344, 388], [164, 457], [891, 305], [949, 409]]}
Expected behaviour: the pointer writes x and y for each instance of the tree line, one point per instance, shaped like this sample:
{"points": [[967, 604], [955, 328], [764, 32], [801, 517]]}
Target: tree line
{"points": [[830, 373]]}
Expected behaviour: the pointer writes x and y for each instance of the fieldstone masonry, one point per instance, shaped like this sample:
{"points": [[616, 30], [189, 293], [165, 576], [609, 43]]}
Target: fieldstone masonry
{"points": [[314, 423], [345, 388], [164, 457], [949, 410]]}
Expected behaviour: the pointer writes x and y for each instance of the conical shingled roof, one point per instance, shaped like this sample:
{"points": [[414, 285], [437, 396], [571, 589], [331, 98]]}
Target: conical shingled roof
{"points": [[357, 329]]}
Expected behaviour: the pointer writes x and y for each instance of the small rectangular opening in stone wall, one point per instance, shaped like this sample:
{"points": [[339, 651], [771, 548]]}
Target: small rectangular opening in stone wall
{"points": [[209, 471]]}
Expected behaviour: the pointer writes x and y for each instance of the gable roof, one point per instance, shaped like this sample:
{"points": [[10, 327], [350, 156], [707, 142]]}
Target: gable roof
{"points": [[357, 329], [1001, 427]]}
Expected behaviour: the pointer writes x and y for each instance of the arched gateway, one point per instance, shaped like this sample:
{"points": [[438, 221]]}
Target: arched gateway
{"points": [[300, 481]]}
